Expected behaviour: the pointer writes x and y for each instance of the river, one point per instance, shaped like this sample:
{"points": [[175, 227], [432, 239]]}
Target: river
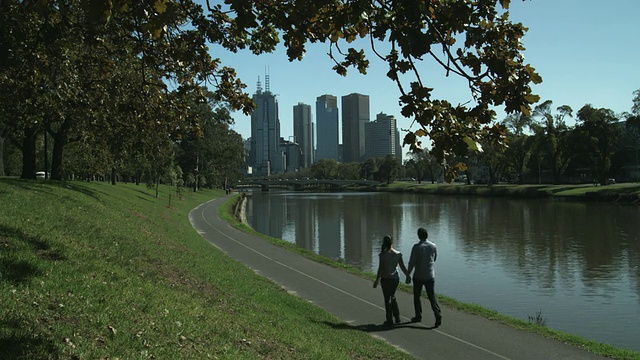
{"points": [[577, 264]]}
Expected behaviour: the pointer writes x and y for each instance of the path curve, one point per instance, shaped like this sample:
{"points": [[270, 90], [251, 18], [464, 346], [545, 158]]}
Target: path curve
{"points": [[352, 298]]}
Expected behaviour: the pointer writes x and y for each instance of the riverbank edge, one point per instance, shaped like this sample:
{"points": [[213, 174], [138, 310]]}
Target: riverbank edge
{"points": [[233, 211], [620, 193]]}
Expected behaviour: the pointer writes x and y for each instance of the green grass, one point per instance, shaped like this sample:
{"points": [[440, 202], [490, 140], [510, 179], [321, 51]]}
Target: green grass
{"points": [[91, 270]]}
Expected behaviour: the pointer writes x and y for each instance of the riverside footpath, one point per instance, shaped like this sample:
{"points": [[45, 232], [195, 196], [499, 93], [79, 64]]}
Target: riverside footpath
{"points": [[354, 300]]}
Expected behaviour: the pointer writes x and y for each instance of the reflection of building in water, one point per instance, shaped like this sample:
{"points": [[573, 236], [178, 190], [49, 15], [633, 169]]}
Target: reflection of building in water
{"points": [[357, 244], [302, 217], [266, 216], [328, 232]]}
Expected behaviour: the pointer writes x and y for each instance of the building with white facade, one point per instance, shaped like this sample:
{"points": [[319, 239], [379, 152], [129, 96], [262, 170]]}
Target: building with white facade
{"points": [[381, 137]]}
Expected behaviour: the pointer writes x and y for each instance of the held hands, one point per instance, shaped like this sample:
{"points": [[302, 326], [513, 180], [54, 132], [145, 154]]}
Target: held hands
{"points": [[408, 281]]}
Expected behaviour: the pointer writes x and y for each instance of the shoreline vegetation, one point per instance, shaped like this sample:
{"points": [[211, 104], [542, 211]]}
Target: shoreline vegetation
{"points": [[92, 270], [625, 193]]}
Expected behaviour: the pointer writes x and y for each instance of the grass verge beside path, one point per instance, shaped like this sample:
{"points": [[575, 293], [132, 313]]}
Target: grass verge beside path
{"points": [[91, 270]]}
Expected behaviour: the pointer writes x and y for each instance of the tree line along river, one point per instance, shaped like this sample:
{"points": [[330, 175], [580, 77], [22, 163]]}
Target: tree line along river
{"points": [[575, 263]]}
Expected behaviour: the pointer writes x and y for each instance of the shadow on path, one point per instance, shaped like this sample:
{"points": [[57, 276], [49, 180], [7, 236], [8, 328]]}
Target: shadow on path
{"points": [[371, 328]]}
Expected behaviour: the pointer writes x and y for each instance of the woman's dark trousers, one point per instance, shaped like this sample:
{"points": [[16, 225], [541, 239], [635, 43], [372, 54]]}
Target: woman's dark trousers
{"points": [[389, 287]]}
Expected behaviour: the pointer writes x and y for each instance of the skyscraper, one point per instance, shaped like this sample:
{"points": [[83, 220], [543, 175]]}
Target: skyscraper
{"points": [[266, 157], [327, 127], [381, 137], [303, 132], [355, 113]]}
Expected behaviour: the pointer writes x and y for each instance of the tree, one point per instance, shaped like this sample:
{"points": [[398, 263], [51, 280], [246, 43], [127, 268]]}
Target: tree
{"points": [[325, 169], [23, 36], [519, 149], [602, 136], [167, 42], [210, 151], [369, 167], [59, 59], [493, 156], [552, 138], [632, 142], [470, 39], [349, 171], [422, 164], [389, 168]]}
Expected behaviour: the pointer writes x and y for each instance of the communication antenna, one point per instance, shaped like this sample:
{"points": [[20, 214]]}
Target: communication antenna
{"points": [[266, 79], [259, 85]]}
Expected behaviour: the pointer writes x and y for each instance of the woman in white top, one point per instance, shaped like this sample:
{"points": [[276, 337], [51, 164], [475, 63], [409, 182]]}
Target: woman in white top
{"points": [[388, 278]]}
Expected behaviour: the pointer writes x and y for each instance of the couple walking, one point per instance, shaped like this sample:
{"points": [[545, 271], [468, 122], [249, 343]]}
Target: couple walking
{"points": [[422, 259]]}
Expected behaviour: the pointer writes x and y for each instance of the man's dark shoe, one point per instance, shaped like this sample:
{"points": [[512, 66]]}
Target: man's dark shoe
{"points": [[416, 319], [438, 321], [397, 320]]}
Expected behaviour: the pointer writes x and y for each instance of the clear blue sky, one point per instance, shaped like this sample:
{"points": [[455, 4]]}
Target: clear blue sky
{"points": [[585, 50]]}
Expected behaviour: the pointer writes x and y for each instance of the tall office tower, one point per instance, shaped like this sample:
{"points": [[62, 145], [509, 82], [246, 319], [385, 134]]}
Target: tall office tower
{"points": [[398, 144], [247, 155], [381, 136], [355, 113], [303, 132], [266, 157], [327, 127]]}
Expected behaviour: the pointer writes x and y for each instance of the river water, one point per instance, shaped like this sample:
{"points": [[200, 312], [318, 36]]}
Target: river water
{"points": [[576, 264]]}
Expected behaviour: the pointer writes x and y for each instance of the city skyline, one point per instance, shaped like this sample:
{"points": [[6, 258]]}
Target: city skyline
{"points": [[363, 138]]}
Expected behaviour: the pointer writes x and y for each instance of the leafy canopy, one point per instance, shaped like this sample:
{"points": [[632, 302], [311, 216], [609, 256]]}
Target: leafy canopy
{"points": [[471, 39]]}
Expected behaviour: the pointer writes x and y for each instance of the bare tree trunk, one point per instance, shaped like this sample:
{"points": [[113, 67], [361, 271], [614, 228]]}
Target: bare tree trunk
{"points": [[59, 140], [113, 175], [29, 153], [2, 173]]}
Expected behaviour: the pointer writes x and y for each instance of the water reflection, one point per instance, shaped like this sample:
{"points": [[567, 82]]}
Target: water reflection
{"points": [[578, 263]]}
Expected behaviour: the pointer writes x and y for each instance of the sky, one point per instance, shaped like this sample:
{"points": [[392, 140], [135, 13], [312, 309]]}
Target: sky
{"points": [[586, 52]]}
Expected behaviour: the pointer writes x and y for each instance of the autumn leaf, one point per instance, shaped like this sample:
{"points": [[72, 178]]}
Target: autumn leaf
{"points": [[161, 6], [421, 133]]}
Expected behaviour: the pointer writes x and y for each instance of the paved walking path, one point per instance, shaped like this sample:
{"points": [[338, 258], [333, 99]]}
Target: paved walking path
{"points": [[352, 298]]}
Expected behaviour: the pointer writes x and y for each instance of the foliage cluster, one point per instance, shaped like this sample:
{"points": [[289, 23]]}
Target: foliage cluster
{"points": [[544, 148], [114, 86], [118, 78], [383, 169]]}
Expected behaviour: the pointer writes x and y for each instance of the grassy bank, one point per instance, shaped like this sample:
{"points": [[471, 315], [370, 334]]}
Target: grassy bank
{"points": [[91, 270], [628, 193]]}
